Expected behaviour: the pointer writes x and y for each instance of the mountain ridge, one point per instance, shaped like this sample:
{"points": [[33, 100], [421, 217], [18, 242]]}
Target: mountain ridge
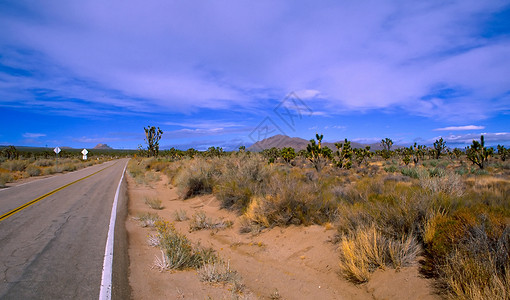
{"points": [[282, 141]]}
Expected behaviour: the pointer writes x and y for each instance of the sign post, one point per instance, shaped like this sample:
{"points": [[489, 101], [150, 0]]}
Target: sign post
{"points": [[57, 151], [84, 152]]}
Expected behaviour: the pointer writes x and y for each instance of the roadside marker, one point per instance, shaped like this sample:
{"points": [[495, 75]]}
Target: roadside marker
{"points": [[12, 212]]}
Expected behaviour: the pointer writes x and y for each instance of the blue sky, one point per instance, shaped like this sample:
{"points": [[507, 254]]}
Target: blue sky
{"points": [[228, 73]]}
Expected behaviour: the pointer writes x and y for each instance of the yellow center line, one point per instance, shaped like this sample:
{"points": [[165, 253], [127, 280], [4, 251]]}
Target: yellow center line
{"points": [[12, 212]]}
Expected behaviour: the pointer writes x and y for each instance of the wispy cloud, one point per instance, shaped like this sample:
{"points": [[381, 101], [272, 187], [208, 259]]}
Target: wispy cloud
{"points": [[33, 135], [204, 124], [491, 138], [395, 56], [460, 128]]}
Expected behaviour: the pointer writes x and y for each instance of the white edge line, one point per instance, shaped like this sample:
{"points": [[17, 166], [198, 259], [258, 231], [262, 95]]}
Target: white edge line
{"points": [[106, 280]]}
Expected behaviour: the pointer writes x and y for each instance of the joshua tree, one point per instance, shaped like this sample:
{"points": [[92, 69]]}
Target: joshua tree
{"points": [[191, 152], [288, 154], [503, 152], [386, 144], [11, 152], [439, 146], [362, 154], [152, 137], [344, 154], [214, 151], [318, 155], [478, 154], [271, 154]]}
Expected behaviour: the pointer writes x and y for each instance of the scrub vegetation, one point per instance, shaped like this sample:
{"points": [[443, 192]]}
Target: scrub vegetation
{"points": [[447, 210], [25, 162]]}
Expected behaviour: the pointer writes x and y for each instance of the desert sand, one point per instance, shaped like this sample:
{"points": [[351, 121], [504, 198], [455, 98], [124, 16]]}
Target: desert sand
{"points": [[295, 262]]}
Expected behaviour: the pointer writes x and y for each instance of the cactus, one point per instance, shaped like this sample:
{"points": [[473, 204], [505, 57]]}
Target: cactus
{"points": [[439, 146], [344, 155], [478, 154]]}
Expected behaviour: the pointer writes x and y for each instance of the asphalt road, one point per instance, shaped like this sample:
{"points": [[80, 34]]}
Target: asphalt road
{"points": [[54, 249]]}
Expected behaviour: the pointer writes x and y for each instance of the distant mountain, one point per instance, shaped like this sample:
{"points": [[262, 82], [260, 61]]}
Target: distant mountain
{"points": [[102, 147], [281, 141]]}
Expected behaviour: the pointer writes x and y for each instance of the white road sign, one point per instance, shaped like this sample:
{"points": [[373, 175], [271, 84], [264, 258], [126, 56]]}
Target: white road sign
{"points": [[84, 152], [57, 150]]}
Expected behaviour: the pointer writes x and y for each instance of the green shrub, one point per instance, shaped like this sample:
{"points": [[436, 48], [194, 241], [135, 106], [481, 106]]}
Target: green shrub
{"points": [[410, 172], [33, 170], [197, 177], [44, 162], [4, 178], [15, 165]]}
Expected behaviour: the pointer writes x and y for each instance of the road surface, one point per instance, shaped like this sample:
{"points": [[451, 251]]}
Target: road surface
{"points": [[54, 248]]}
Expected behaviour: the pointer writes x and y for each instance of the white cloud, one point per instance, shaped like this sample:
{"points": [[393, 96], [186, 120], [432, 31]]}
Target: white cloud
{"points": [[460, 128], [187, 56], [491, 138], [33, 135], [307, 94]]}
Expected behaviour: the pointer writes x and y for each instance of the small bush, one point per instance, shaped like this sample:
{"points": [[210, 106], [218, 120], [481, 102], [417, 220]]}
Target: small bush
{"points": [[442, 182], [200, 221], [44, 162], [196, 178], [153, 203], [147, 219], [216, 272], [15, 165], [410, 172], [33, 171], [178, 251], [4, 178], [391, 169], [180, 215]]}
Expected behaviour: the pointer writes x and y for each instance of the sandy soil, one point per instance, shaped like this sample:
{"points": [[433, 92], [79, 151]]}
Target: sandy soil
{"points": [[295, 262]]}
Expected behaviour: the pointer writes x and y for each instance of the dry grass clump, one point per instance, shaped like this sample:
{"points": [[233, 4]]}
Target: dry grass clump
{"points": [[154, 203], [180, 215], [200, 221], [217, 271], [442, 181], [366, 249], [147, 219], [177, 251]]}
